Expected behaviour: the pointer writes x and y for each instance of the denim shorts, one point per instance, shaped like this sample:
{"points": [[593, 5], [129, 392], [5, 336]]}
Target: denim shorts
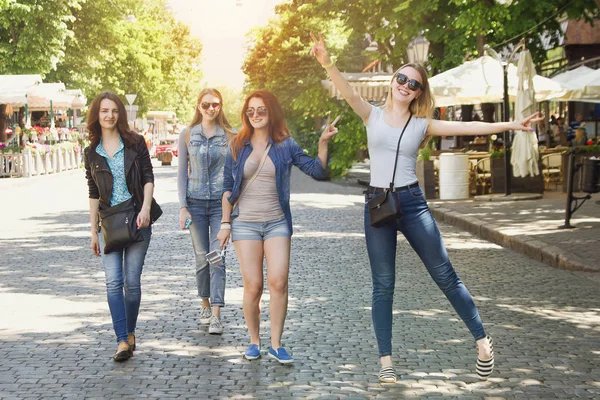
{"points": [[241, 230]]}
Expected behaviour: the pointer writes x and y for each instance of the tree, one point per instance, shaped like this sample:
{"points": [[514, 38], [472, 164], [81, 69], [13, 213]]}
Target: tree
{"points": [[32, 38], [33, 34], [279, 61], [457, 30], [154, 57]]}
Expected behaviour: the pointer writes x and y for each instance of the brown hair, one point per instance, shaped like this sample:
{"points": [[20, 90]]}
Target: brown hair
{"points": [[221, 119], [278, 130], [129, 137], [424, 105]]}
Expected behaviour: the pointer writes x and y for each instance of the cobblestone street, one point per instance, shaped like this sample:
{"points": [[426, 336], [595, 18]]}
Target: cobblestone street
{"points": [[57, 341]]}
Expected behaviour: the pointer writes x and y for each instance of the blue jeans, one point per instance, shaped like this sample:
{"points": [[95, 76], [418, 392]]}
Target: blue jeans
{"points": [[206, 223], [123, 270], [419, 228]]}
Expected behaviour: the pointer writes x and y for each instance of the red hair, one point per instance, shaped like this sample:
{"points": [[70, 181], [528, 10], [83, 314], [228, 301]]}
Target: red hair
{"points": [[278, 130]]}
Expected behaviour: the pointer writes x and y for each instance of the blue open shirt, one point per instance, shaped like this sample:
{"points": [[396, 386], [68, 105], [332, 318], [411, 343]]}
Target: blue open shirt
{"points": [[283, 155]]}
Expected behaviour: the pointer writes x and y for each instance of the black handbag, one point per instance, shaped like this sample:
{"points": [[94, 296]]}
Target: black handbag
{"points": [[383, 207], [119, 226]]}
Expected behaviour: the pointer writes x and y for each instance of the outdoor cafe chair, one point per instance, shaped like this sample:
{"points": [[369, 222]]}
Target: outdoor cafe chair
{"points": [[482, 175], [552, 169]]}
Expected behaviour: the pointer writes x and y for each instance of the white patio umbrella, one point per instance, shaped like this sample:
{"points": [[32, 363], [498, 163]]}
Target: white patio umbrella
{"points": [[568, 76], [482, 81], [78, 98], [13, 88], [583, 84], [525, 155], [589, 84], [40, 96]]}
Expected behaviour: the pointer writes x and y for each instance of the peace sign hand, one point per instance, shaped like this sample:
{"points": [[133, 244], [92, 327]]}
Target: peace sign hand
{"points": [[319, 50], [525, 124], [330, 129]]}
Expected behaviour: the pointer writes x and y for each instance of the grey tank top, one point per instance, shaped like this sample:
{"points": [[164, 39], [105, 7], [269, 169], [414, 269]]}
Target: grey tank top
{"points": [[260, 203]]}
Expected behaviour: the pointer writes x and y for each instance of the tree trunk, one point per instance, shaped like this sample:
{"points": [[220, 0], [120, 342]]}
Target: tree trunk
{"points": [[2, 123]]}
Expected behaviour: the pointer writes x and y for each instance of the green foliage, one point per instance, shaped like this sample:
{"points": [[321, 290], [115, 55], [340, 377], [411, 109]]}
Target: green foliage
{"points": [[278, 58], [154, 57], [88, 44], [233, 100], [497, 154], [279, 61], [33, 34], [592, 148], [425, 153]]}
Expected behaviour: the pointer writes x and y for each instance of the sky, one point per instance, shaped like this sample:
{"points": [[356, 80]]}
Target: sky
{"points": [[221, 26]]}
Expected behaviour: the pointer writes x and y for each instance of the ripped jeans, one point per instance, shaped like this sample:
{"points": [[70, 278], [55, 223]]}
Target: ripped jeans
{"points": [[206, 223]]}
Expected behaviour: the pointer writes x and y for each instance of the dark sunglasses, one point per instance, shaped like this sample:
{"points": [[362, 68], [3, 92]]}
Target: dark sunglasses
{"points": [[413, 84], [260, 111], [206, 105]]}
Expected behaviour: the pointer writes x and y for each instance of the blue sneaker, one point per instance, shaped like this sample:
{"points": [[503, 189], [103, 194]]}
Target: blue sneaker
{"points": [[253, 352], [281, 355]]}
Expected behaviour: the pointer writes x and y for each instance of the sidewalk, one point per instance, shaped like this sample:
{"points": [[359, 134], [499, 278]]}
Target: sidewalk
{"points": [[530, 227]]}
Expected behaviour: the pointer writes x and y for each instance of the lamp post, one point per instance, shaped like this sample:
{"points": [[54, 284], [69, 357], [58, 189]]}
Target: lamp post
{"points": [[418, 49], [506, 111]]}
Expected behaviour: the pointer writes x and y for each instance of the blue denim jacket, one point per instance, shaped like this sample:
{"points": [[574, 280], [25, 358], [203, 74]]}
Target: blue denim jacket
{"points": [[283, 155], [200, 173]]}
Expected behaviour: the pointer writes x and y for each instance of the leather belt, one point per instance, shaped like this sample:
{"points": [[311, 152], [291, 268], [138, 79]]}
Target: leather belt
{"points": [[376, 190]]}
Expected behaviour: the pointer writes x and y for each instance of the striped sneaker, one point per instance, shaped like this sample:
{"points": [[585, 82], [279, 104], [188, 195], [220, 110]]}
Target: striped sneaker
{"points": [[387, 375], [485, 368]]}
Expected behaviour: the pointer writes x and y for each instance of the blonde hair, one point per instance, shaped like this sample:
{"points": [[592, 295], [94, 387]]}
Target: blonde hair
{"points": [[221, 119], [424, 105]]}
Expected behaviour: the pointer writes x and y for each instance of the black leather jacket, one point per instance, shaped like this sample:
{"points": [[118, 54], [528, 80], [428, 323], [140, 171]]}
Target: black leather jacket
{"points": [[138, 172]]}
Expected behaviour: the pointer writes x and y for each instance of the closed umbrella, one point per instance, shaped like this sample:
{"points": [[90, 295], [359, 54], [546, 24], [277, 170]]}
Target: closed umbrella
{"points": [[525, 154]]}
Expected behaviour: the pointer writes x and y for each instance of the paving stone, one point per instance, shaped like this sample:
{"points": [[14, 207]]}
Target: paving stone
{"points": [[545, 321]]}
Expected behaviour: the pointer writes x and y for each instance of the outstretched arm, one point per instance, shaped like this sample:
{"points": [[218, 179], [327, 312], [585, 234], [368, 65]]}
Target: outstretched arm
{"points": [[358, 104], [455, 128]]}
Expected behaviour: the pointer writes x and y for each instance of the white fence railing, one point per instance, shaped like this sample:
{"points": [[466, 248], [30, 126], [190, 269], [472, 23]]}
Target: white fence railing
{"points": [[30, 163]]}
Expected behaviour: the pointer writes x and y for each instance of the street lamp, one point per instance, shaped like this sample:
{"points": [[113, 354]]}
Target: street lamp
{"points": [[418, 49], [506, 112]]}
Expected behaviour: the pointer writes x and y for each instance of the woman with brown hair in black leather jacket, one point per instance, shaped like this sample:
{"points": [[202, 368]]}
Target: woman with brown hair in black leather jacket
{"points": [[118, 169]]}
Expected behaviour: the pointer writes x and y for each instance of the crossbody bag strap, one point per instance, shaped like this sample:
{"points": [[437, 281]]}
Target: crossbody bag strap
{"points": [[262, 162], [398, 152]]}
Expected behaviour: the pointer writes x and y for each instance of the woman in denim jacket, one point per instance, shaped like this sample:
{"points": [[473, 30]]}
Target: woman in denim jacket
{"points": [[202, 149], [257, 212], [409, 104]]}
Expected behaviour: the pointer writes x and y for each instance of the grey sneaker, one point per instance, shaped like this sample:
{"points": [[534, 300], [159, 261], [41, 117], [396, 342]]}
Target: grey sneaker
{"points": [[205, 315], [215, 328]]}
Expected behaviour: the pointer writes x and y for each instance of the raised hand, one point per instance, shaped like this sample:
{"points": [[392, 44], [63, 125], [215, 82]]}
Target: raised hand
{"points": [[330, 129], [319, 50]]}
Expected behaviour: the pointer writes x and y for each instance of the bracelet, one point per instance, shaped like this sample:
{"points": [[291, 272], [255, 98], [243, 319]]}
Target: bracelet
{"points": [[225, 222], [226, 227], [331, 64]]}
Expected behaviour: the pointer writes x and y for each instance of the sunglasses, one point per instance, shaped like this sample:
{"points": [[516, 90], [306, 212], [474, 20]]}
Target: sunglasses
{"points": [[206, 105], [260, 111], [413, 84]]}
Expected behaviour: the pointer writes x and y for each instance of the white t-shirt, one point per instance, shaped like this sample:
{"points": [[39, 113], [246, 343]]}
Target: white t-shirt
{"points": [[383, 141]]}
